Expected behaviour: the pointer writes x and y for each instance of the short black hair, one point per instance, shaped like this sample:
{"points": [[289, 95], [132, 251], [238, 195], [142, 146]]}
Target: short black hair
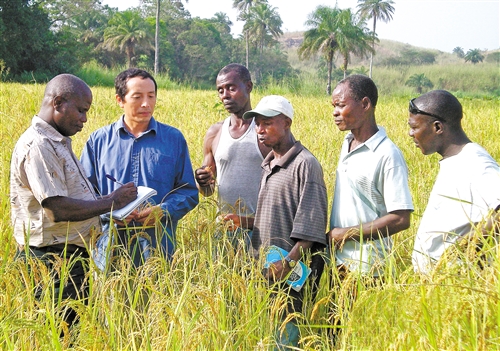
{"points": [[241, 70], [442, 103], [122, 79], [361, 86], [66, 86]]}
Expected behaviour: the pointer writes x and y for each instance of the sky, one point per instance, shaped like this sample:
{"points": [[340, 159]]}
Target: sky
{"points": [[431, 24]]}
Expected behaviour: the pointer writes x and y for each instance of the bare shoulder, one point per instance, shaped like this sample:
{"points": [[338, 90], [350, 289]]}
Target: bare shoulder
{"points": [[213, 130], [212, 137]]}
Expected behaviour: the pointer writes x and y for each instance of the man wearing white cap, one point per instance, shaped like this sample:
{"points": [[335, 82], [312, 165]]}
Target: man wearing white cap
{"points": [[292, 204]]}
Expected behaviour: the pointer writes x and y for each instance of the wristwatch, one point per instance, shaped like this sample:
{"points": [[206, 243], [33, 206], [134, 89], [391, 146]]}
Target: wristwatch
{"points": [[291, 263]]}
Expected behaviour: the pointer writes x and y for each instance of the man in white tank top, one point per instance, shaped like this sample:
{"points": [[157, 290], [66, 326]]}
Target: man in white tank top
{"points": [[232, 154]]}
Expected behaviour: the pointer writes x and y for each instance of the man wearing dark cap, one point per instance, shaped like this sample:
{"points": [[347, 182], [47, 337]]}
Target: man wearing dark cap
{"points": [[466, 194], [292, 204]]}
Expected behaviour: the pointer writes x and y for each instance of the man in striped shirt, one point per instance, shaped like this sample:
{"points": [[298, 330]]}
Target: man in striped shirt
{"points": [[292, 205]]}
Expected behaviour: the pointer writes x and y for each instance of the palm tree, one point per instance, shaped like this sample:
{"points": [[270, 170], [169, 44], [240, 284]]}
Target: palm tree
{"points": [[263, 26], [125, 31], [419, 82], [459, 52], [157, 34], [223, 22], [376, 9], [474, 56], [242, 6], [352, 38], [262, 22], [321, 38], [157, 37], [333, 30]]}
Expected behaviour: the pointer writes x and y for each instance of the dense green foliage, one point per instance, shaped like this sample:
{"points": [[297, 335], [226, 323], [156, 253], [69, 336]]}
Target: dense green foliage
{"points": [[41, 38], [38, 40], [26, 43]]}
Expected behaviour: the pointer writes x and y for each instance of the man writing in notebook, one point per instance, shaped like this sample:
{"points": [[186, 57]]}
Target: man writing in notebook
{"points": [[54, 210]]}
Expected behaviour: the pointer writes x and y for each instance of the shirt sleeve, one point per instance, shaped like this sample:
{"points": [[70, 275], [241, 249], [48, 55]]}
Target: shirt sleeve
{"points": [[45, 173], [485, 189], [396, 191], [311, 217]]}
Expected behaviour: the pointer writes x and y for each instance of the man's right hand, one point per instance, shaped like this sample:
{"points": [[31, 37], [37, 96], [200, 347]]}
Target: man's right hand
{"points": [[205, 177], [123, 195]]}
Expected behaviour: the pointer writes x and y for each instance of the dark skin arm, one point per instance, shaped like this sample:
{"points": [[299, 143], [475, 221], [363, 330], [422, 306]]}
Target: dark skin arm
{"points": [[206, 174], [492, 223], [62, 208], [148, 216], [280, 269], [237, 221], [387, 225]]}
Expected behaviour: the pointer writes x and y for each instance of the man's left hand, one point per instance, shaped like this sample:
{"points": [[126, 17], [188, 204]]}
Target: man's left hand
{"points": [[278, 271], [149, 215], [338, 236]]}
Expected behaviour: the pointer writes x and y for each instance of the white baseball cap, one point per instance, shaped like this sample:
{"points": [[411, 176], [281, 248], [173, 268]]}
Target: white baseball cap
{"points": [[270, 106]]}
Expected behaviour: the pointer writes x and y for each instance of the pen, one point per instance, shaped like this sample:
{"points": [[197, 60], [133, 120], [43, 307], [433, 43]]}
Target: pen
{"points": [[110, 177]]}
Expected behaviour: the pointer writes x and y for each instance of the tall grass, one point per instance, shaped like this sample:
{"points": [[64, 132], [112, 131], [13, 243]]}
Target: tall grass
{"points": [[211, 297]]}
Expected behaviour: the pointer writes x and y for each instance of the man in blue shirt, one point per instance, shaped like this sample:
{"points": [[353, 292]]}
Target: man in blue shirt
{"points": [[140, 149]]}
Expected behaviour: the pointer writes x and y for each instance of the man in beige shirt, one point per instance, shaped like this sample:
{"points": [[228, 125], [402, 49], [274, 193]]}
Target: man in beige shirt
{"points": [[53, 207]]}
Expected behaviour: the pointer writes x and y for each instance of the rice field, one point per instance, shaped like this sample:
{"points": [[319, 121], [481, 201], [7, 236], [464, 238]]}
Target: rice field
{"points": [[213, 298]]}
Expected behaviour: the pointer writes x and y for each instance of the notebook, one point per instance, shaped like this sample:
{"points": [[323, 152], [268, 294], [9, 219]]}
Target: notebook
{"points": [[299, 273], [143, 193]]}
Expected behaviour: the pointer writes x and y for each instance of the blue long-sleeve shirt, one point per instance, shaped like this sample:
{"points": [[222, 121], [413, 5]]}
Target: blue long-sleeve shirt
{"points": [[158, 158]]}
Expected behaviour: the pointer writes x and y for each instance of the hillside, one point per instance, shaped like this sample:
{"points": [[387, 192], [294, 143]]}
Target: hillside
{"points": [[385, 49]]}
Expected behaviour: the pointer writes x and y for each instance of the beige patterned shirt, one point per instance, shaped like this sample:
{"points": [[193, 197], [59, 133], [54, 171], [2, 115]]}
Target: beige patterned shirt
{"points": [[43, 165]]}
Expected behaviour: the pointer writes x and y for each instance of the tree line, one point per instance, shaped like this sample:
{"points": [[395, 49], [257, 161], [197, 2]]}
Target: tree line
{"points": [[54, 36], [47, 37]]}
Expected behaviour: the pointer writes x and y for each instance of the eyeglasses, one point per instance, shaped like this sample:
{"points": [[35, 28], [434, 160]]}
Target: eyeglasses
{"points": [[414, 110]]}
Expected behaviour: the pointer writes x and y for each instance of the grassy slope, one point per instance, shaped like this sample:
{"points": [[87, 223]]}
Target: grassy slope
{"points": [[449, 72]]}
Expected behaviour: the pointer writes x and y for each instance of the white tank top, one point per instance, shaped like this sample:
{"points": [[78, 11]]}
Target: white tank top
{"points": [[238, 170]]}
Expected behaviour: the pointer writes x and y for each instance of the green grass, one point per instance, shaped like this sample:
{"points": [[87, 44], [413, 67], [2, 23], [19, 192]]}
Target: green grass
{"points": [[207, 301]]}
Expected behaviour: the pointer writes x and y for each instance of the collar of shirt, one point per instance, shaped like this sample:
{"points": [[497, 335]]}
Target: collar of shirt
{"points": [[120, 125], [285, 159], [46, 129], [371, 143]]}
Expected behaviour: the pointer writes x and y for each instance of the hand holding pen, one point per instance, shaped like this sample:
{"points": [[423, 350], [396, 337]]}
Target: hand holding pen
{"points": [[113, 179], [146, 216], [124, 194]]}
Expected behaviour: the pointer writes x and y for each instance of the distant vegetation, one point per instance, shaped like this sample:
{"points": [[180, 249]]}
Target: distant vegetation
{"points": [[394, 63], [44, 38]]}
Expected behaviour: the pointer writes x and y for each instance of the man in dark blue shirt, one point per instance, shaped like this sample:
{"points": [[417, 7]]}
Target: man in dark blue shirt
{"points": [[140, 149]]}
